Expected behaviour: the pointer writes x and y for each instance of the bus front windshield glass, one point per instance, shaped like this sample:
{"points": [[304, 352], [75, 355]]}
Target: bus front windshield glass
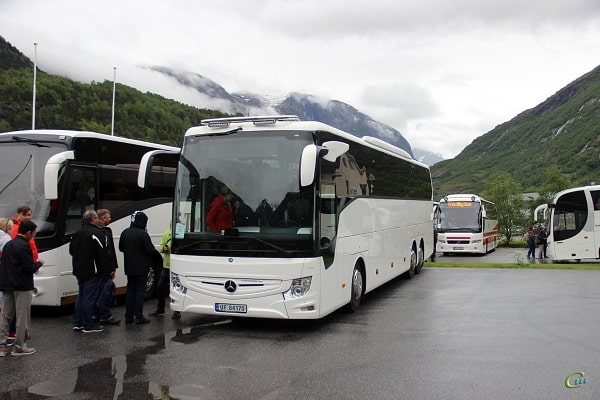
{"points": [[239, 194], [22, 181], [460, 216]]}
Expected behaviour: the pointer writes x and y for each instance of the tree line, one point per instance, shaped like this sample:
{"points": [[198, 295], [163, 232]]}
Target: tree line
{"points": [[62, 103]]}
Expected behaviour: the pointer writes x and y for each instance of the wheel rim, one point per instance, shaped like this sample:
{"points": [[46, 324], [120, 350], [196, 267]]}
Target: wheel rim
{"points": [[357, 285]]}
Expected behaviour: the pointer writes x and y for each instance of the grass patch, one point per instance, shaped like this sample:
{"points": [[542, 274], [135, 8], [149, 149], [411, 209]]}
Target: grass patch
{"points": [[583, 266]]}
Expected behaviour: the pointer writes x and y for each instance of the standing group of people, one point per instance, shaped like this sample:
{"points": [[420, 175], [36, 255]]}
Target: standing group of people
{"points": [[94, 263], [18, 262], [536, 238]]}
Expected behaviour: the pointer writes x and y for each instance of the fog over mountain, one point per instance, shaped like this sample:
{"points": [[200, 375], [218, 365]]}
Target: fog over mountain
{"points": [[306, 106]]}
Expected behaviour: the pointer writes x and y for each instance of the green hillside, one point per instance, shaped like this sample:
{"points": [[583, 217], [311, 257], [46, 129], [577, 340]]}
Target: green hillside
{"points": [[564, 131], [65, 104]]}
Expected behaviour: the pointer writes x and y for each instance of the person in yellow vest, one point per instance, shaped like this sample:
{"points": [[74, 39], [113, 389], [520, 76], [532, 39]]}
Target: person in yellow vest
{"points": [[164, 279]]}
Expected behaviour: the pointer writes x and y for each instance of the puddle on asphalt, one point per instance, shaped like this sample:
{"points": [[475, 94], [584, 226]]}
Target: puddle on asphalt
{"points": [[118, 377]]}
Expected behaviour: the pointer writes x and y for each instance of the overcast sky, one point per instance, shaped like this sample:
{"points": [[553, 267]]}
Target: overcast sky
{"points": [[442, 72]]}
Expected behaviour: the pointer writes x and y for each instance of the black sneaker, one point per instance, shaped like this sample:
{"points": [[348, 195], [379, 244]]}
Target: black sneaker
{"points": [[176, 315], [77, 328], [93, 329], [142, 321], [157, 312]]}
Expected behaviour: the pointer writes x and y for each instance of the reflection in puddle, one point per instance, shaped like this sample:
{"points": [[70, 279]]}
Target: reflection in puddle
{"points": [[118, 377]]}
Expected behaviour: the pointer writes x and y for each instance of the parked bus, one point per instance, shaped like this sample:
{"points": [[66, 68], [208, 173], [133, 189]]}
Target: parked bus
{"points": [[60, 174], [573, 224], [466, 224], [324, 217]]}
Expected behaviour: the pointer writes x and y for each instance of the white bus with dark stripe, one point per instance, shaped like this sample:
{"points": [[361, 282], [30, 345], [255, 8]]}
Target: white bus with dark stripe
{"points": [[325, 217]]}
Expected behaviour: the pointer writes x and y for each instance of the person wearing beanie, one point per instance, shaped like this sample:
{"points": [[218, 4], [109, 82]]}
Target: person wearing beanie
{"points": [[139, 255]]}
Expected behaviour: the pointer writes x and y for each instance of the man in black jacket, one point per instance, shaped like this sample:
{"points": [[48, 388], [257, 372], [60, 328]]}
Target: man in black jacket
{"points": [[107, 286], [136, 245], [16, 281], [88, 249]]}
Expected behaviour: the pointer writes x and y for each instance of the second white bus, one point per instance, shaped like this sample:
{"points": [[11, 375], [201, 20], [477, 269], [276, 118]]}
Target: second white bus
{"points": [[59, 174], [324, 218], [466, 225], [574, 224]]}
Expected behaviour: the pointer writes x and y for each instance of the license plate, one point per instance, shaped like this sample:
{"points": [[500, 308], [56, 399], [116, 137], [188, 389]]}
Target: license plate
{"points": [[458, 248], [231, 308]]}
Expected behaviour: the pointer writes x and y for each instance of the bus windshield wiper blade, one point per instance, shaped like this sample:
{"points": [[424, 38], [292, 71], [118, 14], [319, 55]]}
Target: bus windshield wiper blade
{"points": [[271, 245], [229, 132], [30, 141]]}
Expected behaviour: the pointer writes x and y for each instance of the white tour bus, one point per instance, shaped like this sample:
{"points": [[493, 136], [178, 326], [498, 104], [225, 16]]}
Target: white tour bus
{"points": [[573, 224], [60, 174], [466, 224], [324, 217]]}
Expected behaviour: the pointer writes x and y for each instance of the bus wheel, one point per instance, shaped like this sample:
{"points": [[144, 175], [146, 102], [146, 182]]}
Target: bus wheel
{"points": [[413, 264], [151, 283], [420, 260], [356, 291]]}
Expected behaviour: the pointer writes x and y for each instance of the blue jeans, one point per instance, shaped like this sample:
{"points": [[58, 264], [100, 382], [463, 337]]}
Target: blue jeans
{"points": [[105, 300], [84, 305], [134, 300]]}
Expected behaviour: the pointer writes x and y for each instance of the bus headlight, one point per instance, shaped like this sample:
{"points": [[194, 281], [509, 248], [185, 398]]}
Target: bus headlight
{"points": [[476, 241], [298, 288], [176, 284], [441, 240]]}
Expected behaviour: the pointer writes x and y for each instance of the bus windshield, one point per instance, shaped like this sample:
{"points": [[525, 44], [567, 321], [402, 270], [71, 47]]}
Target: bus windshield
{"points": [[460, 216], [254, 175], [22, 181]]}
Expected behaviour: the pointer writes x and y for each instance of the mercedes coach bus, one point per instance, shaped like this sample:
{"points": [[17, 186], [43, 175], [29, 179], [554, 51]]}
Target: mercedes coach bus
{"points": [[60, 174], [466, 224], [321, 218]]}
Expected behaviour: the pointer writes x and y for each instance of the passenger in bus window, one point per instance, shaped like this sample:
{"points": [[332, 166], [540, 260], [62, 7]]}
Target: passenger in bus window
{"points": [[222, 211], [119, 191]]}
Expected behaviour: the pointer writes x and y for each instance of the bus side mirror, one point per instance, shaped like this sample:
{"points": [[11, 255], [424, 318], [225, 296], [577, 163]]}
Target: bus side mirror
{"points": [[52, 171], [330, 151], [334, 150], [147, 162]]}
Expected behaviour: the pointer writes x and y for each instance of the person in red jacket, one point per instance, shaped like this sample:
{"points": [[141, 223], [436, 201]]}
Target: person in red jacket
{"points": [[221, 211], [24, 214]]}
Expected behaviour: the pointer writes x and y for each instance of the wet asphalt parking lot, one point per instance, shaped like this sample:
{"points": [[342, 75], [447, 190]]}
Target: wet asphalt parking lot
{"points": [[449, 333]]}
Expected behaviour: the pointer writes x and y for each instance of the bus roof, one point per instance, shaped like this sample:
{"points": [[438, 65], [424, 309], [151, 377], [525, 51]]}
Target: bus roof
{"points": [[291, 122], [462, 197], [46, 134], [575, 189]]}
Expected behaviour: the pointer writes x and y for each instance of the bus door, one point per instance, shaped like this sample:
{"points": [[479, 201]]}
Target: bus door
{"points": [[571, 238], [81, 197]]}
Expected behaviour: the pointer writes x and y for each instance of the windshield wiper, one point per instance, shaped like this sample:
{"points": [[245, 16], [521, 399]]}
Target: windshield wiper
{"points": [[216, 241], [30, 141], [18, 175], [229, 132], [271, 245]]}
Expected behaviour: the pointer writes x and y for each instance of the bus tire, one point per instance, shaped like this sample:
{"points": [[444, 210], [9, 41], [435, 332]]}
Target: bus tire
{"points": [[152, 283], [420, 260], [357, 287], [413, 264]]}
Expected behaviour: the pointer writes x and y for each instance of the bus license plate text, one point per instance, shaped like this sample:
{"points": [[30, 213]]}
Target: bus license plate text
{"points": [[231, 308]]}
